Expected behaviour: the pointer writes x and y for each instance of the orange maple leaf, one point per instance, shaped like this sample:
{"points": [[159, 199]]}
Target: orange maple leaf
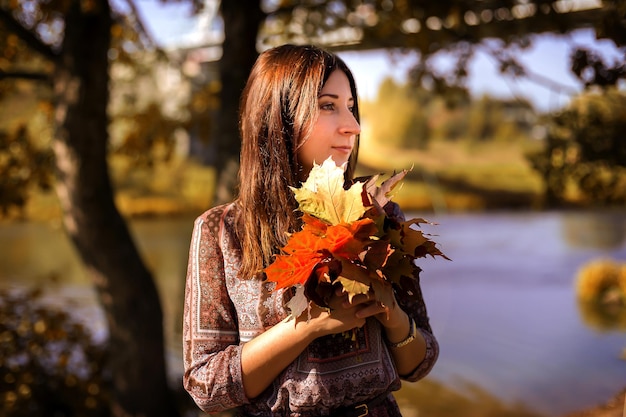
{"points": [[308, 247], [289, 270], [313, 224], [304, 242], [299, 256], [348, 240]]}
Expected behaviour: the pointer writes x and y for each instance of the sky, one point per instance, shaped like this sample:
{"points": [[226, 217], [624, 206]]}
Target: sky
{"points": [[172, 24]]}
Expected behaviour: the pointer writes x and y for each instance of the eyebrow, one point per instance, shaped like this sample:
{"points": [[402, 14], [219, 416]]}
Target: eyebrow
{"points": [[334, 96]]}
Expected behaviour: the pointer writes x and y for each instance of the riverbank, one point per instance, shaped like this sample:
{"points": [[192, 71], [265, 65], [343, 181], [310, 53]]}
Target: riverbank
{"points": [[614, 407]]}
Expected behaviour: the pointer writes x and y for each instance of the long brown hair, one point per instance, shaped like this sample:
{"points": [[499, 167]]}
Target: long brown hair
{"points": [[277, 112]]}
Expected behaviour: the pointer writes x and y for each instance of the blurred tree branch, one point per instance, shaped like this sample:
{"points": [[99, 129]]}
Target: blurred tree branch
{"points": [[25, 75], [28, 36], [429, 26], [448, 25]]}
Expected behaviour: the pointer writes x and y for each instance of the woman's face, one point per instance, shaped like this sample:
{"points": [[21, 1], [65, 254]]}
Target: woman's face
{"points": [[334, 132]]}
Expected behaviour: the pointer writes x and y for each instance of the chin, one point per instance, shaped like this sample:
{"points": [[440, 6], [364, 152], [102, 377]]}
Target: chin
{"points": [[339, 161]]}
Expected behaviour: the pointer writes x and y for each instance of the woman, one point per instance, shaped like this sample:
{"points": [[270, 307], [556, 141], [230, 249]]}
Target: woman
{"points": [[241, 347]]}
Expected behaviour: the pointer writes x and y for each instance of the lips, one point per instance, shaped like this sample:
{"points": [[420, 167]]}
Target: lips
{"points": [[343, 149]]}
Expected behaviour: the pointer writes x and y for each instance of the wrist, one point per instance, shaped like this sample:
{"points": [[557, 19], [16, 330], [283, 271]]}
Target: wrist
{"points": [[396, 319], [310, 325], [402, 335]]}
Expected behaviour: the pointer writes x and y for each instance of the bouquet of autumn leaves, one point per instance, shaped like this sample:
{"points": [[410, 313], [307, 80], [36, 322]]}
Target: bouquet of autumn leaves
{"points": [[348, 239]]}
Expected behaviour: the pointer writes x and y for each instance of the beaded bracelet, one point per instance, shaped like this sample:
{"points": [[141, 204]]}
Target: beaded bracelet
{"points": [[409, 338]]}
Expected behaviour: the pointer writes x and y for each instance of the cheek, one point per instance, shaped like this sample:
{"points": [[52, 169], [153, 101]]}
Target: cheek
{"points": [[312, 152], [304, 153]]}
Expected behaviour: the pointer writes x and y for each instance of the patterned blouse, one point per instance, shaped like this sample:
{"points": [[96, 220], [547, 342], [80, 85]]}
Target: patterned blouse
{"points": [[222, 312]]}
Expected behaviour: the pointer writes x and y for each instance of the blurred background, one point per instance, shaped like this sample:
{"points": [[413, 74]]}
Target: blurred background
{"points": [[118, 126]]}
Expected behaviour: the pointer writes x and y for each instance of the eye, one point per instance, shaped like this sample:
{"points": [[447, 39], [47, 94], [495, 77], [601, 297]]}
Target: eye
{"points": [[351, 105], [327, 106]]}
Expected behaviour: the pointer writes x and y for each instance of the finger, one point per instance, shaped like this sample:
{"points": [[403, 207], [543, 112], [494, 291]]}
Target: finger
{"points": [[371, 309], [356, 300]]}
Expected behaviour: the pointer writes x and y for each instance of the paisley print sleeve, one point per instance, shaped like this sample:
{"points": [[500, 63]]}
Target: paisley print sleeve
{"points": [[211, 348], [416, 308]]}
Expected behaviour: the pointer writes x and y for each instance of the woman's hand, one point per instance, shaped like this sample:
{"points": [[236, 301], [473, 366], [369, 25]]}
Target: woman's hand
{"points": [[390, 315], [340, 316], [396, 325], [265, 356], [346, 314]]}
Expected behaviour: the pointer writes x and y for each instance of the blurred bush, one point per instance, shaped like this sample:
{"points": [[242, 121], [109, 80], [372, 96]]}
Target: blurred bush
{"points": [[411, 117], [584, 160], [601, 294], [49, 364], [23, 167]]}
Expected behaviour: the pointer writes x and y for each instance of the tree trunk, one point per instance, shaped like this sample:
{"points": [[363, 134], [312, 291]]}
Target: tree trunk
{"points": [[124, 286], [241, 26]]}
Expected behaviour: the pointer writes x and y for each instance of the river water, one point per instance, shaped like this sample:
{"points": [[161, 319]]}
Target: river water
{"points": [[503, 309]]}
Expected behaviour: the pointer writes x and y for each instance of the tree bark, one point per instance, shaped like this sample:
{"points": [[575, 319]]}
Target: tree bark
{"points": [[241, 26], [124, 286]]}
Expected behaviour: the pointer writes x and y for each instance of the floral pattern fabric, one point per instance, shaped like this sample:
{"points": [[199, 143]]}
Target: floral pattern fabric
{"points": [[222, 312]]}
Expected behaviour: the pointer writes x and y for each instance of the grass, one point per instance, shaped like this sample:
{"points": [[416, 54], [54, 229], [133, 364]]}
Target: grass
{"points": [[167, 189], [176, 187], [457, 176]]}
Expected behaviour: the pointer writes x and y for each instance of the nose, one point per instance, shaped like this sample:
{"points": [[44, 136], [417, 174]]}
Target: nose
{"points": [[350, 126]]}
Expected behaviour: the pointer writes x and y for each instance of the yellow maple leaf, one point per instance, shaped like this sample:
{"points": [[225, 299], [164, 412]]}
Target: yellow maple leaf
{"points": [[354, 279], [322, 195]]}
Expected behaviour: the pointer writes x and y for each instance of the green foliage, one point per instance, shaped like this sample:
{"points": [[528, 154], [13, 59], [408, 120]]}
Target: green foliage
{"points": [[147, 137], [592, 70], [49, 364], [399, 119], [23, 167], [405, 116], [500, 120], [584, 159]]}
